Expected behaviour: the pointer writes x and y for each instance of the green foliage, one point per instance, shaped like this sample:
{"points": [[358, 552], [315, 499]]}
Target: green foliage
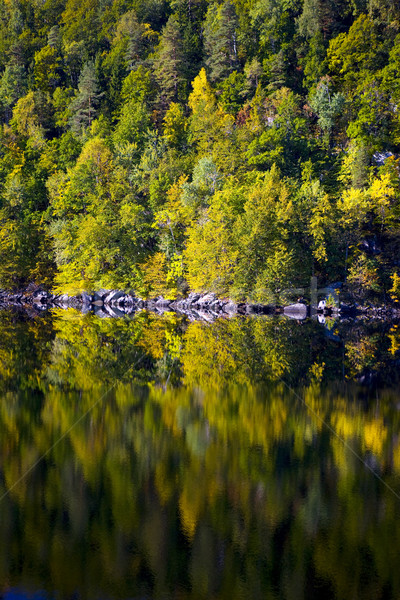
{"points": [[84, 106], [169, 64], [326, 106], [221, 40], [177, 100], [12, 87]]}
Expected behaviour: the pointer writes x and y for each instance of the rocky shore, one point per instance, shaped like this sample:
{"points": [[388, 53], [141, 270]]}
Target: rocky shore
{"points": [[116, 303]]}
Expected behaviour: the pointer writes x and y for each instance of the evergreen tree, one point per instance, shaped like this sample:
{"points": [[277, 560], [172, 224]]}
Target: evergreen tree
{"points": [[309, 21], [221, 41], [13, 85], [84, 107], [169, 65]]}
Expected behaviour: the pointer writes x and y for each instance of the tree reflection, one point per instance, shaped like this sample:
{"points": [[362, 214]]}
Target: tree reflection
{"points": [[199, 473]]}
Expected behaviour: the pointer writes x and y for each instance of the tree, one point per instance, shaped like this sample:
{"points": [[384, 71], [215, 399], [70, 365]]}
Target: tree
{"points": [[13, 86], [132, 125], [327, 106], [169, 64], [355, 54], [261, 236], [82, 24], [221, 40], [47, 68], [210, 255], [99, 233], [309, 21], [138, 39], [283, 141], [175, 126], [210, 128], [32, 117], [84, 106]]}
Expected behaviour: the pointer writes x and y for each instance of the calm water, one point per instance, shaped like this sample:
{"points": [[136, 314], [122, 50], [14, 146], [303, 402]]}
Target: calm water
{"points": [[156, 458]]}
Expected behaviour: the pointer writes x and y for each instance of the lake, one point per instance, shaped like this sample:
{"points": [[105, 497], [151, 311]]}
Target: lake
{"points": [[154, 457]]}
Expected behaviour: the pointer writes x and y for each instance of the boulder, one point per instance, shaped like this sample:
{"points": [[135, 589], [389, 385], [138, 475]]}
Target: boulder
{"points": [[63, 300], [192, 298], [86, 298], [296, 311], [229, 307], [41, 297], [113, 296], [163, 302], [215, 305], [113, 311], [206, 315], [130, 300], [99, 312], [99, 295], [207, 299], [119, 301]]}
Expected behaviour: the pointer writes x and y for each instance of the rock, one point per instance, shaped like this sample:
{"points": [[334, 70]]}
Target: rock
{"points": [[207, 299], [207, 316], [192, 298], [99, 312], [162, 302], [130, 300], [296, 311], [99, 295], [229, 307], [41, 297], [112, 311], [180, 305], [119, 301], [381, 157], [113, 296], [62, 299], [39, 306], [322, 305], [215, 305], [129, 309], [85, 298]]}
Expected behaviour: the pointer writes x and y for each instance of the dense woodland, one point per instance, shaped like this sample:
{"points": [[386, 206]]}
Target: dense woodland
{"points": [[236, 146]]}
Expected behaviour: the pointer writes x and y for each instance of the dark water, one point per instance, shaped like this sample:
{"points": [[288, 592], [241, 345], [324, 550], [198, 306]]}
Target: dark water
{"points": [[155, 458]]}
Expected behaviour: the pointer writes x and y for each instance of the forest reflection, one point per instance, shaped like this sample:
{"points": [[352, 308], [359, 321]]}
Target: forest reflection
{"points": [[210, 463]]}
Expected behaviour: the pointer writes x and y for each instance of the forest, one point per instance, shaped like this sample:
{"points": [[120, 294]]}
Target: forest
{"points": [[235, 146]]}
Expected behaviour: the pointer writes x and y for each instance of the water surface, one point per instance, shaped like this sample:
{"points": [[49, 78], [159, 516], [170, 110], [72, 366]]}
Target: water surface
{"points": [[151, 457]]}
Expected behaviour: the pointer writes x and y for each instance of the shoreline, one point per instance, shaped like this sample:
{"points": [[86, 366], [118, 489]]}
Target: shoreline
{"points": [[207, 306]]}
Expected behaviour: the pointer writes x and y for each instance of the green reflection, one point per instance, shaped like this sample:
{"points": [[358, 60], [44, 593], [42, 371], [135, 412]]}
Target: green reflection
{"points": [[180, 483]]}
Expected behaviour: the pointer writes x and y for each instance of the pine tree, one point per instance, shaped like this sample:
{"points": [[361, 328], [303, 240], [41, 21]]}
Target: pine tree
{"points": [[169, 63], [139, 37], [308, 22], [12, 87], [221, 40], [54, 38], [84, 107]]}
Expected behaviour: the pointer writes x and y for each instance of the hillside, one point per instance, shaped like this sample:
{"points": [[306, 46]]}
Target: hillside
{"points": [[235, 147]]}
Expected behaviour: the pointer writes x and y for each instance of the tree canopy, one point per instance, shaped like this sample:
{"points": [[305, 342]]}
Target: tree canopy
{"points": [[230, 146]]}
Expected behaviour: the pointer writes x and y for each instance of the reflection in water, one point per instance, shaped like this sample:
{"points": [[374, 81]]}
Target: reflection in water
{"points": [[200, 474]]}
